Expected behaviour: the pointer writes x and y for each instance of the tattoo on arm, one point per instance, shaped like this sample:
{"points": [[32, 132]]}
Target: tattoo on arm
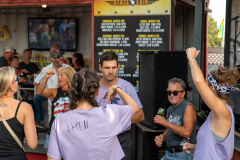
{"points": [[2, 105]]}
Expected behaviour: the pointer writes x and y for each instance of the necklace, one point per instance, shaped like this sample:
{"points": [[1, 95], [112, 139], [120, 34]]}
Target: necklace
{"points": [[65, 92]]}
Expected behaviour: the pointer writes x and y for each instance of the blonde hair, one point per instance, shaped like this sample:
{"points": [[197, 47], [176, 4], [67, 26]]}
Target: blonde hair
{"points": [[7, 75], [69, 72]]}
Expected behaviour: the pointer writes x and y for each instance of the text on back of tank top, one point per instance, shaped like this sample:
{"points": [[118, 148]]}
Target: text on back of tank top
{"points": [[77, 126]]}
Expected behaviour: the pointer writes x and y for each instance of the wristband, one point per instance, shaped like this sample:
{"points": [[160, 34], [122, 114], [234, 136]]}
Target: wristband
{"points": [[116, 89], [192, 60]]}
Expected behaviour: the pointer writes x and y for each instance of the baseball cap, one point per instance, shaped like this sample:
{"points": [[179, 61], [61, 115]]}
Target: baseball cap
{"points": [[55, 52], [8, 49]]}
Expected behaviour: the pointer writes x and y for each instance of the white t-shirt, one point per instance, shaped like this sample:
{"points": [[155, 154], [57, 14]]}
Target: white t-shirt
{"points": [[52, 81]]}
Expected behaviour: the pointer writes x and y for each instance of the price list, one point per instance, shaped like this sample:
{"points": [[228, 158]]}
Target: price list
{"points": [[127, 35]]}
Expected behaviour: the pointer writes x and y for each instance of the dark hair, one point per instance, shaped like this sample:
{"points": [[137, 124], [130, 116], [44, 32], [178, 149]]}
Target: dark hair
{"points": [[67, 29], [84, 85], [80, 60], [51, 26], [223, 75], [14, 57], [27, 50], [108, 56], [70, 60]]}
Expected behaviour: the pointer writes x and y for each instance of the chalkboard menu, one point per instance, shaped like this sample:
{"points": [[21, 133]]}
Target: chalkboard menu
{"points": [[126, 35]]}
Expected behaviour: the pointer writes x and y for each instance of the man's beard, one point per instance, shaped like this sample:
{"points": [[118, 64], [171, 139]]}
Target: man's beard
{"points": [[58, 64]]}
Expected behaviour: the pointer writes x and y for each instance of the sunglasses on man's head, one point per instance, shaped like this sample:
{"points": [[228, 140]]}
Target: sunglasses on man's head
{"points": [[17, 80], [58, 56], [175, 93]]}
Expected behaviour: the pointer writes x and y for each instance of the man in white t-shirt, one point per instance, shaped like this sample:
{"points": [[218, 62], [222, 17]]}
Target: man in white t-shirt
{"points": [[57, 62], [109, 67]]}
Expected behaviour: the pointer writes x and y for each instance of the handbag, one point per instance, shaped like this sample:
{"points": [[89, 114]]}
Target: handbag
{"points": [[12, 133]]}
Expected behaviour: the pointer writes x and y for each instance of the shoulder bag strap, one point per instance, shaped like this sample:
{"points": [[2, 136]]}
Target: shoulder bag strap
{"points": [[12, 133]]}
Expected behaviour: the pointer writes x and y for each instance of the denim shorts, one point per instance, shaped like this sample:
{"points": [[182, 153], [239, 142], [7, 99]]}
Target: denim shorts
{"points": [[46, 141], [177, 156]]}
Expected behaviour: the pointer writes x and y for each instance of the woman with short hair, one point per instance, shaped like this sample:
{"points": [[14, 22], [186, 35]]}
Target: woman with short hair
{"points": [[89, 131], [19, 117], [14, 63], [215, 139]]}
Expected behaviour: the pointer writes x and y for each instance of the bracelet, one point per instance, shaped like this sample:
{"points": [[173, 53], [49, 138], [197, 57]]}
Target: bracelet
{"points": [[116, 89], [192, 60]]}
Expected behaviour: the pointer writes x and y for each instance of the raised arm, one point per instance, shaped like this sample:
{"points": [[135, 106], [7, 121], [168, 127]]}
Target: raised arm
{"points": [[48, 93], [213, 102], [128, 100]]}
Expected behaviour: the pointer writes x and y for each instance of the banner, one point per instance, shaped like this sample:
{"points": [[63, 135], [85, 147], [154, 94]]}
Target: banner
{"points": [[131, 7], [4, 34], [43, 60], [220, 33]]}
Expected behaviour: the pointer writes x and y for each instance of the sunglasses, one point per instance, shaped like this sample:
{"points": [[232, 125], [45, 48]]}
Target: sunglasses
{"points": [[175, 93], [58, 56], [17, 80]]}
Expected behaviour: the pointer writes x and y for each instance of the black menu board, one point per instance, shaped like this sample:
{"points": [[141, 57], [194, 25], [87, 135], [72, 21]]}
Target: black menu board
{"points": [[127, 35]]}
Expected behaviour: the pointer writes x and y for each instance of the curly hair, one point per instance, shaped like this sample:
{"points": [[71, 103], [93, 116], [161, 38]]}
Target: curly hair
{"points": [[223, 75], [83, 88]]}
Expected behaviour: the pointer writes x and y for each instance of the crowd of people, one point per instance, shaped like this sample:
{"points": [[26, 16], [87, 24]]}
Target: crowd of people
{"points": [[45, 33], [90, 117]]}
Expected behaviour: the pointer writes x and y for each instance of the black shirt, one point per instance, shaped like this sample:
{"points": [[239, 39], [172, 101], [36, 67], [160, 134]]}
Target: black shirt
{"points": [[77, 70], [3, 62], [59, 105], [31, 68], [9, 148]]}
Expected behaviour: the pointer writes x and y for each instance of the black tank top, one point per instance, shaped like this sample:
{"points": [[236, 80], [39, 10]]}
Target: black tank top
{"points": [[9, 148], [59, 105]]}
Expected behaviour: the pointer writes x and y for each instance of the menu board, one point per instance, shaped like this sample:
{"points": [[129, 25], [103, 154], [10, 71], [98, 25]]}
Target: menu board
{"points": [[127, 35]]}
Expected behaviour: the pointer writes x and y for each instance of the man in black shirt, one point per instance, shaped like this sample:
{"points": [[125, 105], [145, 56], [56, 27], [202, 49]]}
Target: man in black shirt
{"points": [[26, 64], [8, 54]]}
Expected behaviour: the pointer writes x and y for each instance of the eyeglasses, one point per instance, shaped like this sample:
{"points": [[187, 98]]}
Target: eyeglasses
{"points": [[17, 80], [175, 93], [58, 56]]}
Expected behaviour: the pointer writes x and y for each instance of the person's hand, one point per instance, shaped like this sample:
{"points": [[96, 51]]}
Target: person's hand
{"points": [[49, 73], [192, 53], [111, 93], [24, 71], [187, 147], [160, 120], [22, 79], [158, 140]]}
